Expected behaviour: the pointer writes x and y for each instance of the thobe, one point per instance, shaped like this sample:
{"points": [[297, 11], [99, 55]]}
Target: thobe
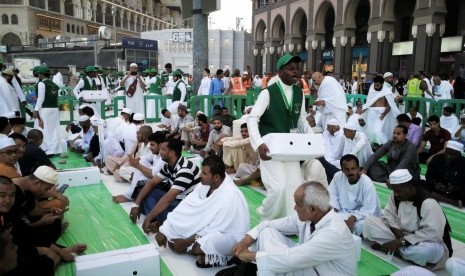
{"points": [[312, 170], [335, 101], [359, 146], [239, 153], [204, 88], [136, 102], [7, 97], [379, 131], [450, 123], [443, 91], [125, 171], [128, 135], [111, 145], [334, 146], [279, 178], [84, 141], [19, 93], [150, 160], [58, 79], [51, 117], [359, 200], [328, 250], [214, 135], [424, 235], [77, 92], [455, 266]]}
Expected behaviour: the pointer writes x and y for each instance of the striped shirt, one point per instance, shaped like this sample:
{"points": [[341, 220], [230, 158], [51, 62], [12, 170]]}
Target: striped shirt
{"points": [[183, 177]]}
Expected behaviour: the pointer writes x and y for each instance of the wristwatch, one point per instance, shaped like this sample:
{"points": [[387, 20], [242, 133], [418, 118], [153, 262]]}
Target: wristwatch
{"points": [[135, 205], [402, 240]]}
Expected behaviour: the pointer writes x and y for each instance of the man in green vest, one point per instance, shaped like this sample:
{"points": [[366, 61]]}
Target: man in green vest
{"points": [[279, 109], [86, 82], [154, 82], [179, 92], [47, 110]]}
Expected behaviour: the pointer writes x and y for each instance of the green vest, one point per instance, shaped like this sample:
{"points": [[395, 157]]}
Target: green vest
{"points": [[177, 92], [277, 118], [413, 88], [87, 84], [51, 94], [155, 87]]}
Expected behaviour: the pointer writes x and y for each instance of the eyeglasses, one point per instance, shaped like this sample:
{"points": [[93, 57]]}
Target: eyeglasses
{"points": [[11, 152]]}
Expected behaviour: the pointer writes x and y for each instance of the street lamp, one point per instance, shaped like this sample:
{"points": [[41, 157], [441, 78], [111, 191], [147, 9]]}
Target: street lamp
{"points": [[113, 13]]}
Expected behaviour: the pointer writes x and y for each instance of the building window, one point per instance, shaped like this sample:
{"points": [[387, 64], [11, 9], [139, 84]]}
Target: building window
{"points": [[14, 19], [69, 8], [72, 29], [37, 3], [68, 28], [82, 30], [263, 3], [99, 14], [5, 20], [54, 6]]}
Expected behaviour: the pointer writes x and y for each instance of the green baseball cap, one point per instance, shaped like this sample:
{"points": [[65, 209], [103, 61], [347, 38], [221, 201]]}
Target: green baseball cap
{"points": [[43, 70], [154, 70], [286, 59], [176, 73], [147, 70], [35, 68], [120, 73], [91, 69]]}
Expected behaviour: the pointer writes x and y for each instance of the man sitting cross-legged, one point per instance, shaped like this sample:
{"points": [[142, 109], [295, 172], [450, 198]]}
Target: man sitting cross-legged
{"points": [[353, 195], [413, 225], [165, 191], [210, 220], [325, 247], [146, 167]]}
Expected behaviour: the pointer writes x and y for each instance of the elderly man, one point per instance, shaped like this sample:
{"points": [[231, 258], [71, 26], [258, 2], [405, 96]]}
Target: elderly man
{"points": [[9, 154], [279, 109], [445, 175], [331, 99], [134, 89], [353, 195], [414, 132], [413, 226], [194, 228], [381, 112], [325, 247], [81, 143], [401, 154], [356, 143], [442, 90]]}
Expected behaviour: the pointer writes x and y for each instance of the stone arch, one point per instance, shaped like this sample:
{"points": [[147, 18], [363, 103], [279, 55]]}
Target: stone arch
{"points": [[125, 21], [388, 9], [351, 10], [108, 16], [278, 28], [322, 11], [118, 19], [37, 39], [99, 15], [132, 23], [11, 39], [296, 23], [14, 19], [5, 19], [260, 31]]}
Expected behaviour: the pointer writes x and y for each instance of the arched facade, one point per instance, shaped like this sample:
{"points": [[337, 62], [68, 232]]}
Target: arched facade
{"points": [[341, 33], [11, 39]]}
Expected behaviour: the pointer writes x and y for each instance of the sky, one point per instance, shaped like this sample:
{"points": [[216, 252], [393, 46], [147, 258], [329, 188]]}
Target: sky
{"points": [[225, 18]]}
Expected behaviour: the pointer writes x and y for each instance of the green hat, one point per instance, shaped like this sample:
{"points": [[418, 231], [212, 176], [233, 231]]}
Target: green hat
{"points": [[35, 69], [154, 70], [147, 70], [176, 73], [43, 70], [120, 73], [91, 69], [286, 59]]}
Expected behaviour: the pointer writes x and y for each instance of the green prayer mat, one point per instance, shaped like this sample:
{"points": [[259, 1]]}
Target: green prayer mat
{"points": [[369, 264], [455, 217], [73, 161]]}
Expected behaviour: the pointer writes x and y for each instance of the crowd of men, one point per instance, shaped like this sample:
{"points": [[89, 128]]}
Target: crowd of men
{"points": [[199, 210]]}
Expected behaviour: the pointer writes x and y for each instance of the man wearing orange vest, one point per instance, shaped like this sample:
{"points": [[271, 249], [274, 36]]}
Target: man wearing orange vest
{"points": [[266, 79], [247, 80], [304, 84], [237, 84]]}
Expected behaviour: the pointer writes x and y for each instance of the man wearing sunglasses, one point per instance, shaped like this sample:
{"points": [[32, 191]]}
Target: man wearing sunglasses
{"points": [[8, 158]]}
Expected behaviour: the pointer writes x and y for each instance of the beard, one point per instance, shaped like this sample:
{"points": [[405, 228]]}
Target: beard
{"points": [[133, 73], [218, 128]]}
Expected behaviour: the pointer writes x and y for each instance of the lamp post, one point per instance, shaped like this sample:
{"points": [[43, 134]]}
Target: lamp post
{"points": [[113, 13]]}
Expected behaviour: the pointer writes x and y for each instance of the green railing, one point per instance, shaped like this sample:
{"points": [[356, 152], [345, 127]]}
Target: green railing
{"points": [[205, 103], [153, 107], [425, 106], [353, 98], [457, 106]]}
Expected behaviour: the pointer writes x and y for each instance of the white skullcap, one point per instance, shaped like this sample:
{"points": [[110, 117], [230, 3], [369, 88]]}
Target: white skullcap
{"points": [[82, 106], [46, 174], [350, 105], [400, 177], [455, 145], [97, 121], [199, 112], [83, 118], [133, 65], [388, 74], [333, 122], [245, 73], [138, 117], [9, 115], [126, 110], [6, 142], [350, 126]]}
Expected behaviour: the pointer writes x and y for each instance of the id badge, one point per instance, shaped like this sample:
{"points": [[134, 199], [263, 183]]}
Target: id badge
{"points": [[293, 130]]}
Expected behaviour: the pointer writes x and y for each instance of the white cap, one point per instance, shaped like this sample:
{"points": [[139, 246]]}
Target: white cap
{"points": [[350, 105], [46, 174], [245, 73], [388, 74], [6, 142], [350, 126], [400, 177], [83, 118], [133, 65], [9, 115], [138, 117], [333, 122], [199, 112], [455, 146], [97, 121], [126, 110]]}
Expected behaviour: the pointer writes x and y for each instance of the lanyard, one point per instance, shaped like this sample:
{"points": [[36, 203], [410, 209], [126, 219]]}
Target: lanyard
{"points": [[286, 102]]}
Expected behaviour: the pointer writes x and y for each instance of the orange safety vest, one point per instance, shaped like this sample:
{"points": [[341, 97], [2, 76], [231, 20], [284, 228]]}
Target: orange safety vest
{"points": [[237, 87], [248, 84], [305, 87]]}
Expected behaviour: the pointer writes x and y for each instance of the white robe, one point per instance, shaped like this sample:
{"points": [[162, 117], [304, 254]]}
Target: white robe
{"points": [[380, 131], [218, 221], [7, 97], [19, 93], [280, 178], [443, 91], [359, 146], [136, 102], [329, 250], [335, 101], [204, 88], [334, 146], [455, 266], [450, 123], [359, 200]]}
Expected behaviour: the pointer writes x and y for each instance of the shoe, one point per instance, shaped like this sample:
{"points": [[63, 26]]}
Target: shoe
{"points": [[199, 265]]}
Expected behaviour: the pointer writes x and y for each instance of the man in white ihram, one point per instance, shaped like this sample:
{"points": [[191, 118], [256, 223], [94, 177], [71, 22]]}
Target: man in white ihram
{"points": [[325, 247], [279, 109]]}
